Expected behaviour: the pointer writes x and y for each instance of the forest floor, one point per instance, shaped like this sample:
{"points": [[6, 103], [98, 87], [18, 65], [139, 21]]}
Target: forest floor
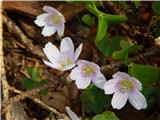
{"points": [[22, 48]]}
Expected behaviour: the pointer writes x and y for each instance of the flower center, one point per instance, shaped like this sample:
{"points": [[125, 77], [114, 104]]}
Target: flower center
{"points": [[88, 70], [56, 19], [65, 63], [126, 85]]}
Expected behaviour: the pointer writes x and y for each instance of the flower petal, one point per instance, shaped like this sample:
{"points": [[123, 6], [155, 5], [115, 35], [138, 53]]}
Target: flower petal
{"points": [[48, 31], [52, 65], [137, 99], [121, 75], [67, 45], [62, 18], [49, 20], [50, 10], [52, 51], [68, 67], [96, 67], [77, 52], [119, 100], [60, 29], [49, 55], [110, 86], [138, 84], [82, 63], [75, 73], [83, 82], [71, 114], [40, 19], [99, 80]]}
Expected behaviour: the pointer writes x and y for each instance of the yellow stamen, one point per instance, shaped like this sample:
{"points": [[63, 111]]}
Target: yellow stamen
{"points": [[88, 70], [56, 19], [65, 63], [126, 85]]}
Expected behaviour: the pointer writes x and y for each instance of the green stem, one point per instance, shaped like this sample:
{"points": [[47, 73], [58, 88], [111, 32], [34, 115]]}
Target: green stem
{"points": [[113, 19]]}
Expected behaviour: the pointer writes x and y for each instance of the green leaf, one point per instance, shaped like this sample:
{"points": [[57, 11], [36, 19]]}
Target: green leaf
{"points": [[28, 83], [124, 44], [123, 54], [102, 28], [43, 82], [156, 7], [110, 115], [148, 92], [101, 37], [43, 92], [88, 19], [145, 73], [107, 115], [114, 19], [114, 45], [94, 100], [110, 19], [99, 117], [102, 40], [34, 73], [87, 118]]}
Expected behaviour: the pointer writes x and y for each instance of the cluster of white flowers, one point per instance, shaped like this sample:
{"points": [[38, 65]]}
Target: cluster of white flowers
{"points": [[123, 86]]}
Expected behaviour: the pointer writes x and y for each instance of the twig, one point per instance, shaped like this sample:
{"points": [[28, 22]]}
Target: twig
{"points": [[3, 80], [153, 51], [2, 70], [27, 94], [17, 32], [152, 23], [36, 100]]}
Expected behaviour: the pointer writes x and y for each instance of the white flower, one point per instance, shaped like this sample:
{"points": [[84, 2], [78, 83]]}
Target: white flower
{"points": [[86, 72], [71, 114], [125, 88], [52, 21], [65, 58]]}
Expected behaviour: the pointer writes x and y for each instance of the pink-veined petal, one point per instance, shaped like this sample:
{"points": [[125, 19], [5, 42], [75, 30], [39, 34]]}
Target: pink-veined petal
{"points": [[75, 73], [52, 65], [48, 31], [60, 29], [82, 63], [119, 100], [137, 99], [96, 68], [53, 51], [83, 82], [49, 56], [78, 51], [110, 86], [49, 20], [121, 75], [50, 10], [71, 114], [67, 45], [138, 84], [40, 19], [99, 80]]}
